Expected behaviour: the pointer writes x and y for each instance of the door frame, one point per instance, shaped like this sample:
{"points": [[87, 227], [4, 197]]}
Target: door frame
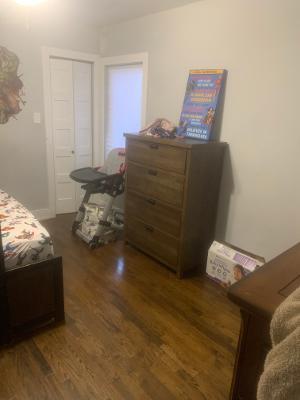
{"points": [[94, 59], [127, 59]]}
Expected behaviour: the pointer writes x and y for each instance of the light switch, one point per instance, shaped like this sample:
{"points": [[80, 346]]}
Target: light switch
{"points": [[37, 117]]}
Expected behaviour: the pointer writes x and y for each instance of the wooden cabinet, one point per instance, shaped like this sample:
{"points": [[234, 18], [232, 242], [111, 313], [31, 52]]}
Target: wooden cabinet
{"points": [[172, 189], [258, 295]]}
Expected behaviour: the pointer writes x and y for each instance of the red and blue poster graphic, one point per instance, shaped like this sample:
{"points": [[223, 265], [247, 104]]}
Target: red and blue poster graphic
{"points": [[200, 103]]}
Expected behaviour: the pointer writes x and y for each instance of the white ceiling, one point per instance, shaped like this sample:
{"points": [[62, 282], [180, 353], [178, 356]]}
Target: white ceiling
{"points": [[93, 12]]}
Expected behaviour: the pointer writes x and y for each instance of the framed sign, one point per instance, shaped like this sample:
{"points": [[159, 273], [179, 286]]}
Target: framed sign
{"points": [[200, 103]]}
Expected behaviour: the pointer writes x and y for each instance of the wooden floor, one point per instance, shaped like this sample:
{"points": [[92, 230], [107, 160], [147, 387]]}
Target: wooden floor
{"points": [[133, 331]]}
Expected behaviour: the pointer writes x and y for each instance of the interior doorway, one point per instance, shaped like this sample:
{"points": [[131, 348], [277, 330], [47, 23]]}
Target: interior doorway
{"points": [[72, 122], [71, 99]]}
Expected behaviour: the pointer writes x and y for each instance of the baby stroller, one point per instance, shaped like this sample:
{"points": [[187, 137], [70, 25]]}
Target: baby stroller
{"points": [[107, 221]]}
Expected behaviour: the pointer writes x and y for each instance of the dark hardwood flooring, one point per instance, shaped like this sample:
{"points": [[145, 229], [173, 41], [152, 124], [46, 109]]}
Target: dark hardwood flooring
{"points": [[133, 331]]}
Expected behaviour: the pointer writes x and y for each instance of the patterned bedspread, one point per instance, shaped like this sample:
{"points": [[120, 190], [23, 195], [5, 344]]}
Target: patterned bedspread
{"points": [[24, 239]]}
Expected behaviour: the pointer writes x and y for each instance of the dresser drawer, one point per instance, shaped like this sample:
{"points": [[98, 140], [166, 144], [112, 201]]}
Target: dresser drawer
{"points": [[161, 185], [157, 155], [152, 241], [154, 212]]}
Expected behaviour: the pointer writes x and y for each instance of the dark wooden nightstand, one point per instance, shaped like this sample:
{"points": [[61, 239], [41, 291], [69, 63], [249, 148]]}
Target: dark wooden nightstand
{"points": [[258, 295]]}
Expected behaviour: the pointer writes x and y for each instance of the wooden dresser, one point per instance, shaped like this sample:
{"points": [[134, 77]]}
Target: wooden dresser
{"points": [[258, 295], [171, 199]]}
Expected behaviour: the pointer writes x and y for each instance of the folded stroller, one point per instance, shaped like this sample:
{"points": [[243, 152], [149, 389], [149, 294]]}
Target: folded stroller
{"points": [[107, 220]]}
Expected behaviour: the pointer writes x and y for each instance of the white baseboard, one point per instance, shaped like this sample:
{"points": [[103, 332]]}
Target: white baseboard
{"points": [[42, 214]]}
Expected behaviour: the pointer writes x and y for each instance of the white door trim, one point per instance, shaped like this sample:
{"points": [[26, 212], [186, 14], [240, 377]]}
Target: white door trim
{"points": [[95, 60], [138, 58]]}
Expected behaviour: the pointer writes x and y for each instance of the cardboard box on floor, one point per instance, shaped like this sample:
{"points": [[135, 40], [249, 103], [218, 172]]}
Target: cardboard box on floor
{"points": [[227, 264]]}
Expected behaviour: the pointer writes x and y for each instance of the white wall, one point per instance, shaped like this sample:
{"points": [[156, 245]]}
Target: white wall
{"points": [[23, 164], [257, 41]]}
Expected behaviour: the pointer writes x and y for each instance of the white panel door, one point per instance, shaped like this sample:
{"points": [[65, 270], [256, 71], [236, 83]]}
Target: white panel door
{"points": [[63, 133], [82, 83]]}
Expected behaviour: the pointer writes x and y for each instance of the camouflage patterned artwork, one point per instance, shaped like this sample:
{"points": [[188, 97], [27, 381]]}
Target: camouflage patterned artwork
{"points": [[11, 86]]}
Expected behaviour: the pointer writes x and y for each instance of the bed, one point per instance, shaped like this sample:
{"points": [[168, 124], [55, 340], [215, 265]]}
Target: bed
{"points": [[31, 283]]}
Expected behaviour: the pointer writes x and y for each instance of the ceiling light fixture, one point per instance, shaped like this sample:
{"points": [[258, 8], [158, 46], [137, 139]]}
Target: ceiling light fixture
{"points": [[28, 2]]}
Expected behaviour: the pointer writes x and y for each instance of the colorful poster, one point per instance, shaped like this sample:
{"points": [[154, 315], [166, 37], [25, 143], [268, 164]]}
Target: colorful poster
{"points": [[200, 103]]}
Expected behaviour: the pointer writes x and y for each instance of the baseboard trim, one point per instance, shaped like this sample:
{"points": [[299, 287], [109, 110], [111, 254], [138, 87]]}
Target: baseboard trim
{"points": [[42, 214]]}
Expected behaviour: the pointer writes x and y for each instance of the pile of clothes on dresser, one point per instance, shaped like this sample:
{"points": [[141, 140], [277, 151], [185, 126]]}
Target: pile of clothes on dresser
{"points": [[161, 127]]}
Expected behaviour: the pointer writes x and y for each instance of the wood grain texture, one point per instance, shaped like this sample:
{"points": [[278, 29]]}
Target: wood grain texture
{"points": [[150, 239], [254, 344], [190, 197], [31, 297], [162, 185], [133, 331], [166, 157], [201, 203], [258, 295], [183, 142], [34, 298], [154, 212]]}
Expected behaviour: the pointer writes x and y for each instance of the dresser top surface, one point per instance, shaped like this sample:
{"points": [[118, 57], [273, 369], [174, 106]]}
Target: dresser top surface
{"points": [[177, 142], [264, 290]]}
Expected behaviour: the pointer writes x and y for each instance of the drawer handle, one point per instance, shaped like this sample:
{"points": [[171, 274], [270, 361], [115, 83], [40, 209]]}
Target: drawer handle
{"points": [[152, 172], [154, 146], [148, 228], [151, 201]]}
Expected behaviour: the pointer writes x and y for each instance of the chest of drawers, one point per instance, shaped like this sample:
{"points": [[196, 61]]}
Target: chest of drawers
{"points": [[171, 198]]}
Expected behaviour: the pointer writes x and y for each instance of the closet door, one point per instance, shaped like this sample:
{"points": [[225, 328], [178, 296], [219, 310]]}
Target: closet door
{"points": [[71, 93], [82, 79], [63, 133]]}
